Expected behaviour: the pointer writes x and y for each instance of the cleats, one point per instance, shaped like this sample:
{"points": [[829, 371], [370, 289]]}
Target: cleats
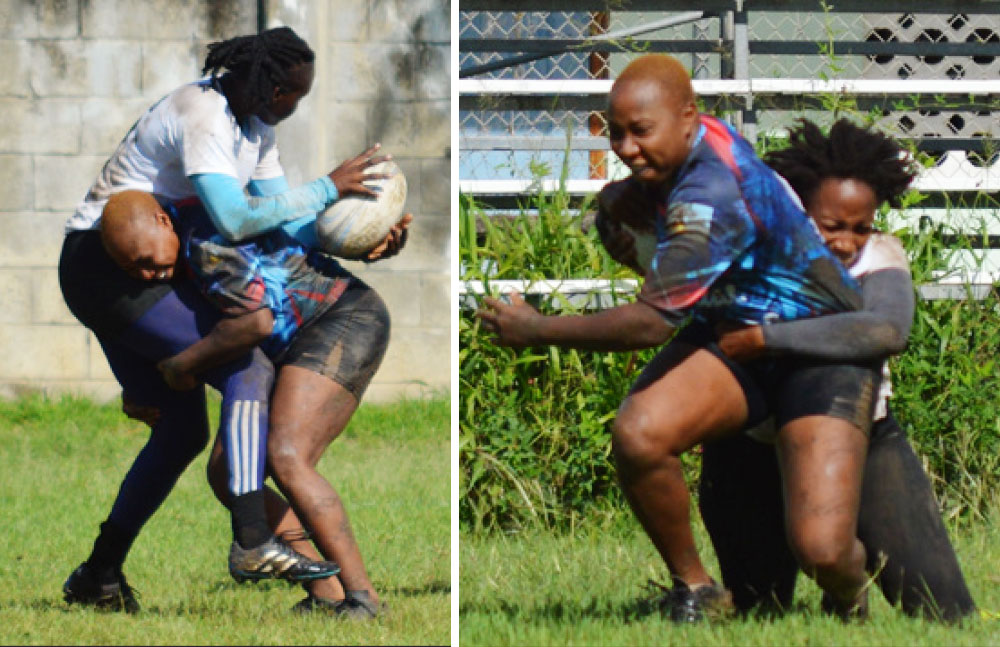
{"points": [[274, 559], [86, 586], [856, 612], [357, 605], [685, 605]]}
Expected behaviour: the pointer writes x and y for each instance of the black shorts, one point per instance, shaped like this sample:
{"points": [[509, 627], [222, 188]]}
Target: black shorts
{"points": [[789, 388], [98, 292], [346, 343]]}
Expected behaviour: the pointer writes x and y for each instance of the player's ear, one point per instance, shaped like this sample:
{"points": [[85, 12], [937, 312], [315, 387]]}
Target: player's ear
{"points": [[689, 118], [689, 111], [163, 220]]}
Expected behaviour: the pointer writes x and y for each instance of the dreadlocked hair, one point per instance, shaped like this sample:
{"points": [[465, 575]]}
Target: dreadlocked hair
{"points": [[849, 152], [263, 59]]}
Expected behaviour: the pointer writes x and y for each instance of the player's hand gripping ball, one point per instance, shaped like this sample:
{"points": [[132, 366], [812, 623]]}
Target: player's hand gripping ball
{"points": [[354, 225]]}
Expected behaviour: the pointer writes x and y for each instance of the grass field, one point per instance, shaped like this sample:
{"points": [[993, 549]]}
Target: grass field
{"points": [[587, 588], [62, 464]]}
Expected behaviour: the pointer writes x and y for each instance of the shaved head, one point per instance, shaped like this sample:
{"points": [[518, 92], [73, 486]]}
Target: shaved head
{"points": [[666, 71], [125, 214], [139, 235], [652, 118]]}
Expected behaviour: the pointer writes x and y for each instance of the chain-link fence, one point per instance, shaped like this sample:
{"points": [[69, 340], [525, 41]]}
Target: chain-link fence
{"points": [[499, 140]]}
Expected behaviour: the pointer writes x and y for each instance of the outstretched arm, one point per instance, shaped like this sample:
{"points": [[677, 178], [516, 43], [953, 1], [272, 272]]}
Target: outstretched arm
{"points": [[229, 339], [629, 327]]}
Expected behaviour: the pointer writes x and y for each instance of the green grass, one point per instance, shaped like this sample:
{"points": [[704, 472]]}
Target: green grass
{"points": [[586, 587], [62, 464]]}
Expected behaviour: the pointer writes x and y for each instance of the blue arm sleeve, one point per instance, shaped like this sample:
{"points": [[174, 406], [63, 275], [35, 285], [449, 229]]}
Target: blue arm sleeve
{"points": [[303, 229], [270, 186], [237, 216]]}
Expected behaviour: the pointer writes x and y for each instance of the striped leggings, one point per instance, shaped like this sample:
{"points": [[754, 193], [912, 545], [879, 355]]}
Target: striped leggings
{"points": [[173, 323]]}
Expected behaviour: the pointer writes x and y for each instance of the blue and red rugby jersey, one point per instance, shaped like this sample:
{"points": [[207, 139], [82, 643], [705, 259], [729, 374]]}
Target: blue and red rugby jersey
{"points": [[734, 245], [272, 271]]}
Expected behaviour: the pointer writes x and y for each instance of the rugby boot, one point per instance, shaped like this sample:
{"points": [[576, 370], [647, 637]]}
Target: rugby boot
{"points": [[857, 612], [685, 605], [356, 605], [276, 559], [111, 592]]}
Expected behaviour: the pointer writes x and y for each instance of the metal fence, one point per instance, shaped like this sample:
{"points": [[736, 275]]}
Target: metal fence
{"points": [[518, 122], [534, 76]]}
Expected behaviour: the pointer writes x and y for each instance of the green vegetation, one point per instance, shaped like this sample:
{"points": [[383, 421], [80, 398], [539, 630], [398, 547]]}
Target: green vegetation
{"points": [[533, 424], [63, 461]]}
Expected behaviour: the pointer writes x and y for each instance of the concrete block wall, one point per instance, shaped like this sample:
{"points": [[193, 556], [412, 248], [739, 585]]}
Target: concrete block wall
{"points": [[382, 76], [79, 73]]}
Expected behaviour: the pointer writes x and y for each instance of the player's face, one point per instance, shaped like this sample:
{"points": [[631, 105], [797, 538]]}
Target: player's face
{"points": [[649, 131], [152, 254], [286, 97], [844, 210]]}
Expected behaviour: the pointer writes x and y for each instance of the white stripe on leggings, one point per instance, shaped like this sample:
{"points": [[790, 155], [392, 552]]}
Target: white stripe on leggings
{"points": [[245, 448], [235, 481], [244, 436], [255, 421]]}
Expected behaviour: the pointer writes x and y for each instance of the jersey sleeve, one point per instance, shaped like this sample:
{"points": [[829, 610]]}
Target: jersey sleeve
{"points": [[698, 242], [269, 166], [206, 137], [302, 229]]}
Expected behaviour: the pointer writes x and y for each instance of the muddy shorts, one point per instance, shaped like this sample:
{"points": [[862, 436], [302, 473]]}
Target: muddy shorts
{"points": [[789, 388], [346, 343]]}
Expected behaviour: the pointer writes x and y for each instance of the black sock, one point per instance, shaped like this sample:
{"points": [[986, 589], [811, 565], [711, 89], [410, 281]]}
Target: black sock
{"points": [[110, 549], [249, 516]]}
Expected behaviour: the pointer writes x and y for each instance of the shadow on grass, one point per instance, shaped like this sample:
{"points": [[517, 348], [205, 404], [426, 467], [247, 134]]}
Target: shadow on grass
{"points": [[627, 612], [436, 587], [42, 604]]}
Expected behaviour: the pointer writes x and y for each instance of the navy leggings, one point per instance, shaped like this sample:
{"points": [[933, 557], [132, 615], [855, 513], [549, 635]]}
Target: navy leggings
{"points": [[172, 324]]}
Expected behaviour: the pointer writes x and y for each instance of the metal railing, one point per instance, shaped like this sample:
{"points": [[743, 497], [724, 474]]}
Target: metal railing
{"points": [[926, 72]]}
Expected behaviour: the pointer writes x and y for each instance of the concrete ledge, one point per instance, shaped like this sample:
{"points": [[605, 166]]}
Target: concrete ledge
{"points": [[97, 390]]}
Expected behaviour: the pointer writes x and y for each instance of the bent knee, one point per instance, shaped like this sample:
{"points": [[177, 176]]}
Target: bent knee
{"points": [[286, 458], [639, 438], [821, 551]]}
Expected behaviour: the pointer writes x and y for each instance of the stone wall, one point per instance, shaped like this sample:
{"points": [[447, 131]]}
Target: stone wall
{"points": [[79, 73]]}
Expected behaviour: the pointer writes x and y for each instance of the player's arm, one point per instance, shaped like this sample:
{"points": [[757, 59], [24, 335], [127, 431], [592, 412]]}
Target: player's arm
{"points": [[698, 248], [879, 330], [615, 203], [629, 327], [238, 216], [231, 338]]}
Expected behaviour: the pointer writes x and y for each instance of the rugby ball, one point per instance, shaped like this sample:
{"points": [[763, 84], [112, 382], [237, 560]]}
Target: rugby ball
{"points": [[353, 226]]}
